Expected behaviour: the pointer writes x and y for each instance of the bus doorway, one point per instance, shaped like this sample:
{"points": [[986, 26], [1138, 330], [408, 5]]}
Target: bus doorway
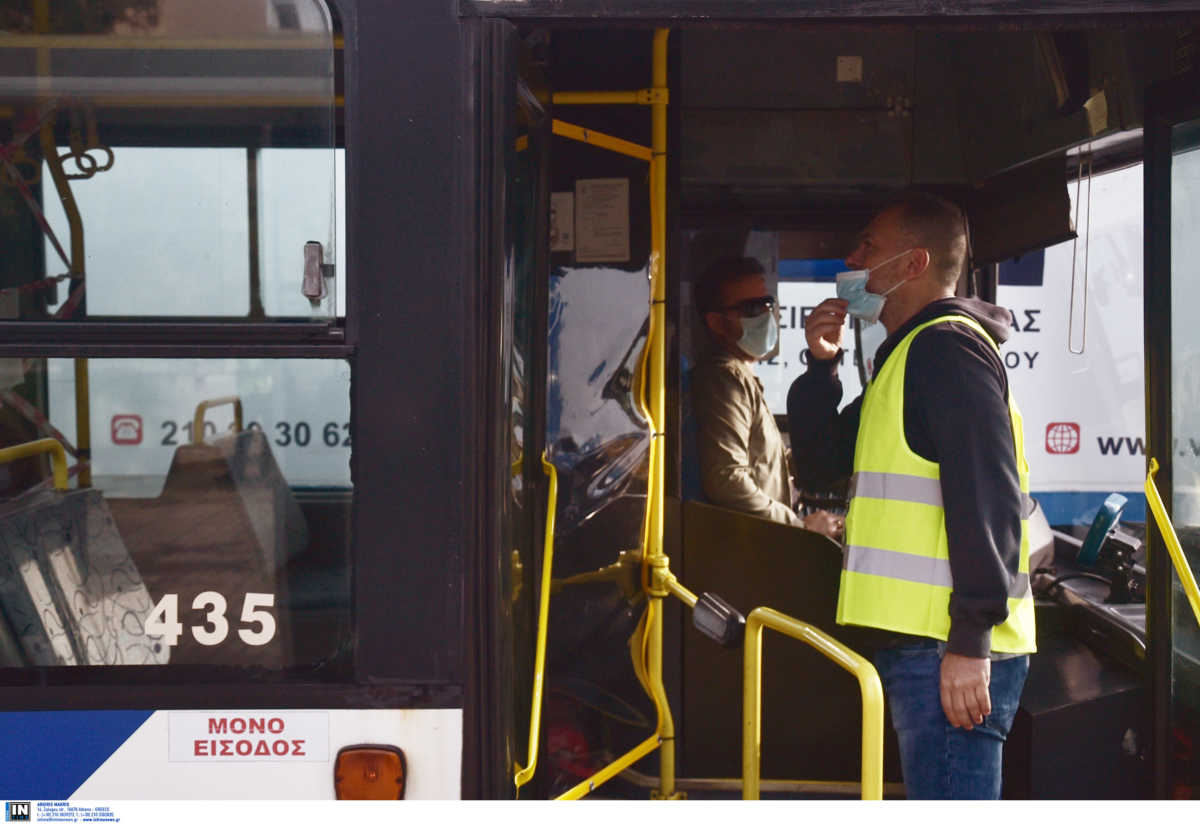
{"points": [[763, 164]]}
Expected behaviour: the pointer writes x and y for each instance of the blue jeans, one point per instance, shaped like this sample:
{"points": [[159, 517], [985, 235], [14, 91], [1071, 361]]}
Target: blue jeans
{"points": [[938, 759]]}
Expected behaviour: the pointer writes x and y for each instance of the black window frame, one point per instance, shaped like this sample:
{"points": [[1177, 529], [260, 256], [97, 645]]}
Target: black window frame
{"points": [[408, 646]]}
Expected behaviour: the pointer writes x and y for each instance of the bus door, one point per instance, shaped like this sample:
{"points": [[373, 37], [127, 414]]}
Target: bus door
{"points": [[1172, 141], [514, 220], [566, 246]]}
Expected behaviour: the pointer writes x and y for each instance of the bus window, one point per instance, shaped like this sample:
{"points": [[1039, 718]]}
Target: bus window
{"points": [[175, 165], [221, 497], [1084, 411], [1185, 424]]}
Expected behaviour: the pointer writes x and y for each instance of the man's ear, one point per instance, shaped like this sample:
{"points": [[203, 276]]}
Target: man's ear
{"points": [[919, 263], [712, 320]]}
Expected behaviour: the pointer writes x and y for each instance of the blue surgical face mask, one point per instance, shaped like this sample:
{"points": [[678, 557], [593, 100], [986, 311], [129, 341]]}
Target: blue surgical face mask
{"points": [[852, 288], [759, 335]]}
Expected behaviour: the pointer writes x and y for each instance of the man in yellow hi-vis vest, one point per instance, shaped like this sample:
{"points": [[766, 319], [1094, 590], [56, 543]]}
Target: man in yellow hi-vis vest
{"points": [[937, 552]]}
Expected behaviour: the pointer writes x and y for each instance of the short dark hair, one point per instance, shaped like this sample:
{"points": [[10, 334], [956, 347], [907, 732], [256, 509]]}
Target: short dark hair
{"points": [[938, 225], [706, 291]]}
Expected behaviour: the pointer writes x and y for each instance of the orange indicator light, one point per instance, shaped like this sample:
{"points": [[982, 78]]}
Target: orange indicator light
{"points": [[372, 772]]}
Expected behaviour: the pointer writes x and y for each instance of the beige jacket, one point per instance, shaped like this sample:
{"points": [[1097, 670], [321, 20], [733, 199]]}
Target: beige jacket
{"points": [[743, 462]]}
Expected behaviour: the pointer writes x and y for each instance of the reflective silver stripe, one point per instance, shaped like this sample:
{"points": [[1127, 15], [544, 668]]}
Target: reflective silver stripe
{"points": [[904, 566], [893, 486]]}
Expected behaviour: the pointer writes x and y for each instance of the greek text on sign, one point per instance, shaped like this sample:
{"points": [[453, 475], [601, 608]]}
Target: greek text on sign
{"points": [[253, 735], [602, 220]]}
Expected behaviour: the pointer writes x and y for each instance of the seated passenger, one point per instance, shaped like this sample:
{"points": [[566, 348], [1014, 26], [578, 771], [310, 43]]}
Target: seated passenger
{"points": [[743, 461]]}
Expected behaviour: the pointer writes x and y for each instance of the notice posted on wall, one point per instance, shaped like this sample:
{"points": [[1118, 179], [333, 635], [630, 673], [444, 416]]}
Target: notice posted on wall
{"points": [[602, 220], [562, 221]]}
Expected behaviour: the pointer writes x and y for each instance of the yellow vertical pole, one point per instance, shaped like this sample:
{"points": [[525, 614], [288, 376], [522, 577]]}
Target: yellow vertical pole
{"points": [[651, 400], [751, 709], [657, 383], [83, 418], [524, 774], [846, 658]]}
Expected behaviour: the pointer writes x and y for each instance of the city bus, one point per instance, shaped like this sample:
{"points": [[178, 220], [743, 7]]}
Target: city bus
{"points": [[347, 444]]}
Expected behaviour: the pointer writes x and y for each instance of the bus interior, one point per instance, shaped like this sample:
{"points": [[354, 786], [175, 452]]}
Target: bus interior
{"points": [[227, 483], [781, 149]]}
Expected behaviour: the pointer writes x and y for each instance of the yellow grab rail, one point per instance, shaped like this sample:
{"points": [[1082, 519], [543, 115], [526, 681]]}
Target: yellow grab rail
{"points": [[600, 139], [58, 457], [1174, 548], [642, 97], [525, 773], [615, 768], [654, 376], [651, 401], [204, 406], [840, 654]]}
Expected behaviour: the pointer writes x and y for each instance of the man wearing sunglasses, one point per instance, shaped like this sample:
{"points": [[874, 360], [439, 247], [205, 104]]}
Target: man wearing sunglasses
{"points": [[743, 461]]}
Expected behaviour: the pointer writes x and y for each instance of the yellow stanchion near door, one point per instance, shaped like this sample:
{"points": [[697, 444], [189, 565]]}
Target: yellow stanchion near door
{"points": [[868, 682], [525, 773], [1174, 548], [658, 582]]}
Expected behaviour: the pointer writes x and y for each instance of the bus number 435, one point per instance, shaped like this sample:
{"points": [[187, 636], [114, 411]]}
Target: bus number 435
{"points": [[164, 619]]}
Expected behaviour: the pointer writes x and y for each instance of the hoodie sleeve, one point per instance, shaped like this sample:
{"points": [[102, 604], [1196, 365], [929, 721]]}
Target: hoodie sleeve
{"points": [[822, 438], [956, 396]]}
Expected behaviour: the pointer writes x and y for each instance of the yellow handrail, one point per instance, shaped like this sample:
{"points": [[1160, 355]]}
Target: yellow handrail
{"points": [[651, 400], [602, 98], [58, 457], [615, 768], [1174, 548], [600, 139], [656, 343], [204, 406], [840, 654], [525, 773]]}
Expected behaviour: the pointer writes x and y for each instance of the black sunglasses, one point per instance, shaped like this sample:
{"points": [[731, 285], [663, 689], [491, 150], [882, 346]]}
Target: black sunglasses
{"points": [[752, 307]]}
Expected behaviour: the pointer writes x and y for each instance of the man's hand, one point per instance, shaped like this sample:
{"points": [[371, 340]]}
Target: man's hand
{"points": [[823, 328], [964, 686], [826, 523]]}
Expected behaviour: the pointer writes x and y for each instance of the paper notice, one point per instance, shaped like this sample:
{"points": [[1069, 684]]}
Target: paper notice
{"points": [[562, 221], [602, 220]]}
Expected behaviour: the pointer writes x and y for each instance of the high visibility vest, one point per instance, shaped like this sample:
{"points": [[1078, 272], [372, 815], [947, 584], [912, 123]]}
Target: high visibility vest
{"points": [[896, 571]]}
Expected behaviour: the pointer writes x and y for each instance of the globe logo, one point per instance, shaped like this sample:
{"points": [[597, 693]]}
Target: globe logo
{"points": [[1062, 438]]}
